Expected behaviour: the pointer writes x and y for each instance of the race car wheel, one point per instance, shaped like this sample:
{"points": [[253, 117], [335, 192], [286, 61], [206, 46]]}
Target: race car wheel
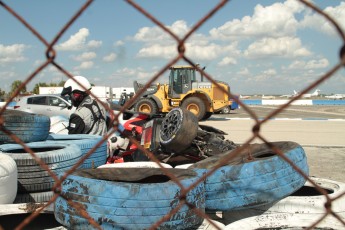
{"points": [[178, 129]]}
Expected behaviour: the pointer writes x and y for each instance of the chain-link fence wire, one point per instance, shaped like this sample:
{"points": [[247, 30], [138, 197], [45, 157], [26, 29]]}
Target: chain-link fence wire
{"points": [[50, 54]]}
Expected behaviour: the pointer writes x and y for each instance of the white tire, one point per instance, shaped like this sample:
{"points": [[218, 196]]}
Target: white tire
{"points": [[207, 225], [305, 201], [8, 179], [138, 164], [285, 221], [58, 125], [184, 166]]}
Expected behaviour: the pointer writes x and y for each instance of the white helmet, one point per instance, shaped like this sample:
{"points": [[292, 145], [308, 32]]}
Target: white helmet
{"points": [[71, 85]]}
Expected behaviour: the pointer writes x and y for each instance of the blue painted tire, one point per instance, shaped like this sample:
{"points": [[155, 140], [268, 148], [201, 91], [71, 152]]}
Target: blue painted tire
{"points": [[265, 179], [86, 142], [31, 177], [27, 126], [129, 198]]}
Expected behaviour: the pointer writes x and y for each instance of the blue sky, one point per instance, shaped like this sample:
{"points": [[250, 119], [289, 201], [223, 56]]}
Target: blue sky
{"points": [[258, 47]]}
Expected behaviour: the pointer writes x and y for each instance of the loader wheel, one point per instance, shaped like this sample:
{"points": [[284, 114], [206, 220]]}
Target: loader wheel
{"points": [[196, 106], [146, 105], [207, 116]]}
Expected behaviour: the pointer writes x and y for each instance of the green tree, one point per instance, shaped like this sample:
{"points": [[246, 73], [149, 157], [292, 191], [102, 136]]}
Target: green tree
{"points": [[37, 87], [61, 83], [15, 85], [2, 94]]}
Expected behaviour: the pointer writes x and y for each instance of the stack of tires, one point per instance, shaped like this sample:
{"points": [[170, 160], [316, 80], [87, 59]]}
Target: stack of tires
{"points": [[34, 183]]}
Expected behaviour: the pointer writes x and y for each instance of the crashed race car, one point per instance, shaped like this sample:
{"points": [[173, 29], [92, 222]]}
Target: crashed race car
{"points": [[175, 138]]}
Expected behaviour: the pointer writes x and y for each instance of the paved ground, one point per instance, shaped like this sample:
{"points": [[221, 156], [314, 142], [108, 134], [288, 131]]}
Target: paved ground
{"points": [[294, 111], [322, 139]]}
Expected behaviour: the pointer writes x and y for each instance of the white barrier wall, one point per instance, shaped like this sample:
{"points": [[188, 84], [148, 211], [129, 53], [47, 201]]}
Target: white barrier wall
{"points": [[280, 102]]}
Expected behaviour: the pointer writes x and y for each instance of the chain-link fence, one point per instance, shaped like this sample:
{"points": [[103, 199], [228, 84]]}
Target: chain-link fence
{"points": [[51, 54]]}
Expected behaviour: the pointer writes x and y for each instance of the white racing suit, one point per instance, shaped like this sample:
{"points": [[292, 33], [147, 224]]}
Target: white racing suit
{"points": [[89, 118]]}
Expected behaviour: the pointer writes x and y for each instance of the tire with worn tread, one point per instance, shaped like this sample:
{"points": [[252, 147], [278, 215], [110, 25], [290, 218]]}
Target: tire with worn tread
{"points": [[85, 142], [33, 197], [129, 198], [59, 157], [8, 179], [207, 116], [27, 126], [178, 129], [244, 183]]}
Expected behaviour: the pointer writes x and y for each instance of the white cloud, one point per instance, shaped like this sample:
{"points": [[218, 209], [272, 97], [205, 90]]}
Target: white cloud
{"points": [[227, 61], [287, 47], [317, 64], [312, 64], [244, 72], [109, 58], [126, 75], [275, 20], [119, 43], [78, 41], [12, 53], [156, 34], [85, 56], [158, 51], [84, 65], [7, 75], [270, 72], [318, 22], [94, 44], [158, 44]]}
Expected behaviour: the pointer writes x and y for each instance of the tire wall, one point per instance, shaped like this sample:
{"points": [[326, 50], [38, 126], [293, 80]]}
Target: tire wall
{"points": [[85, 142]]}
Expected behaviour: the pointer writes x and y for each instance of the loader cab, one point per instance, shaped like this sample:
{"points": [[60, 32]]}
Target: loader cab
{"points": [[180, 80]]}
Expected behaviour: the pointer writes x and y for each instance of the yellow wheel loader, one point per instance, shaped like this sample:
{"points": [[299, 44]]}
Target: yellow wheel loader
{"points": [[184, 90]]}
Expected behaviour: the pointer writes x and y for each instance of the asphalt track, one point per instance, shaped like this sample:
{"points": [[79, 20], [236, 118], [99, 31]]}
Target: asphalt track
{"points": [[320, 130]]}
